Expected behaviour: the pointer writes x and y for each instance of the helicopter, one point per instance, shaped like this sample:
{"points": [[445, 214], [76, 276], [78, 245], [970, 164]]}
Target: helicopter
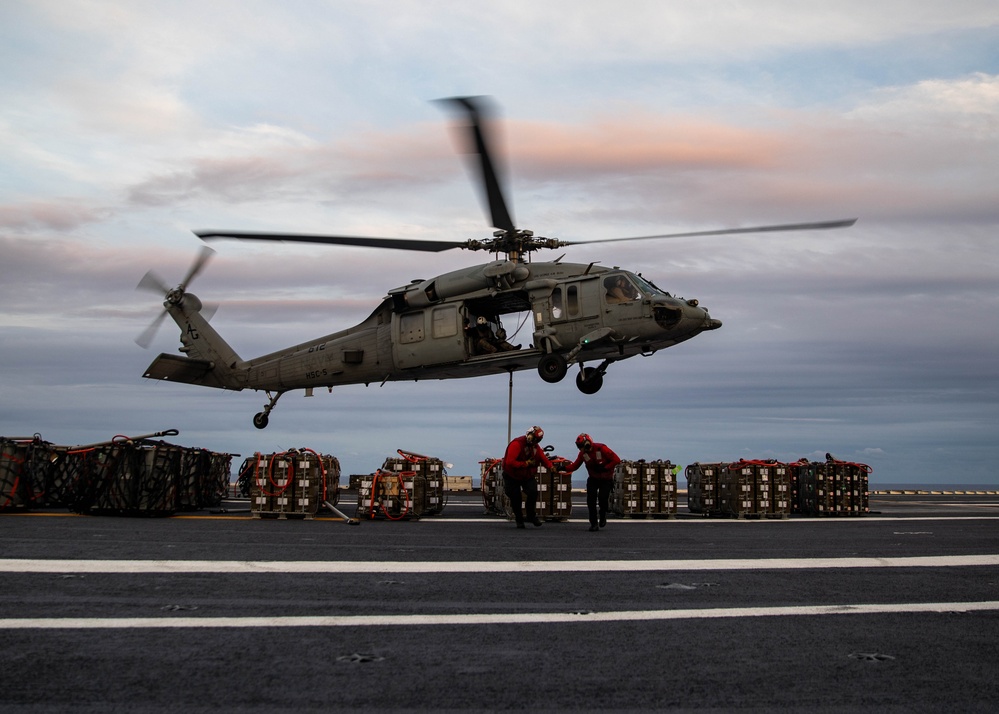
{"points": [[451, 326]]}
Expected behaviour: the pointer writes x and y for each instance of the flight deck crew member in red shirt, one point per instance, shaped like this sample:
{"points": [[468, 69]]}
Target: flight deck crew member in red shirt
{"points": [[520, 469], [600, 461]]}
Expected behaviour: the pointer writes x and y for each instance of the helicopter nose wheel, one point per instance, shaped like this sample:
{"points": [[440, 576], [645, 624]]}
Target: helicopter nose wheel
{"points": [[552, 368], [261, 419]]}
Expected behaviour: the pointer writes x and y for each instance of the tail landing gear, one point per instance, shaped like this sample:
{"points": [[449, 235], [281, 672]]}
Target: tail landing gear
{"points": [[260, 419]]}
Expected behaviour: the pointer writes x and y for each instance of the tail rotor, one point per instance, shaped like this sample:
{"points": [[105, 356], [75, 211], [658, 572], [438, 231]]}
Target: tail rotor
{"points": [[151, 282]]}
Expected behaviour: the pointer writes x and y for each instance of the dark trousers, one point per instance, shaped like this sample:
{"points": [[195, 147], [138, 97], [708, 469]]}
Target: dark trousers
{"points": [[512, 488], [598, 490]]}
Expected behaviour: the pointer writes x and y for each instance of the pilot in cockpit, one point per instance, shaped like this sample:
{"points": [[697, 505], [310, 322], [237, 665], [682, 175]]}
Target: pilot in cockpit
{"points": [[620, 289]]}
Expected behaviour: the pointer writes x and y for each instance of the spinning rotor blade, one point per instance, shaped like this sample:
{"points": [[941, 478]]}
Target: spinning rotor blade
{"points": [[820, 225], [197, 266], [151, 282], [429, 246], [208, 310], [149, 333], [477, 113]]}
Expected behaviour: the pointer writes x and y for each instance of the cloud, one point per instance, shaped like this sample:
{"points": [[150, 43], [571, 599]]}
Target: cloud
{"points": [[125, 126], [973, 101], [61, 216]]}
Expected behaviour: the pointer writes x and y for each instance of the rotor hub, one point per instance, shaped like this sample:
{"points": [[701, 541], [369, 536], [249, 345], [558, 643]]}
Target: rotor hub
{"points": [[515, 244], [175, 295]]}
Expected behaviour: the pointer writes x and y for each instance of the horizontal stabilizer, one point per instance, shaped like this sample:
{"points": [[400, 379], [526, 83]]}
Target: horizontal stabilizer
{"points": [[172, 368]]}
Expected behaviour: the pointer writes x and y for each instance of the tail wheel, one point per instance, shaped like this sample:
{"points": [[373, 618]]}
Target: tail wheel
{"points": [[589, 380], [552, 368], [260, 420]]}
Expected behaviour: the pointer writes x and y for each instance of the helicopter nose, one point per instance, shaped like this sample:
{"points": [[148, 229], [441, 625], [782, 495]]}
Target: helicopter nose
{"points": [[699, 315]]}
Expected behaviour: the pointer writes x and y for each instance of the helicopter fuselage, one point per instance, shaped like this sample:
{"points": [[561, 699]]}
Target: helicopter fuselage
{"points": [[451, 327]]}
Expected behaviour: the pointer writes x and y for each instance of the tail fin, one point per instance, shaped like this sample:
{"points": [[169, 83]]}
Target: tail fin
{"points": [[210, 361]]}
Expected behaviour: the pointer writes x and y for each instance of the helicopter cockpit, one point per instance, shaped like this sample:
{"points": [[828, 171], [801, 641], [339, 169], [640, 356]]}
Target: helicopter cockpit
{"points": [[619, 288]]}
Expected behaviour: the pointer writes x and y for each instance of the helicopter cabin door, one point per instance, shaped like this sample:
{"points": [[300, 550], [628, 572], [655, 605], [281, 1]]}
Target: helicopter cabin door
{"points": [[426, 337], [575, 308]]}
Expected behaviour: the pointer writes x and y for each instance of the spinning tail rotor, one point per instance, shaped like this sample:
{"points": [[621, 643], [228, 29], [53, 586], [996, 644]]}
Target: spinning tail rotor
{"points": [[151, 282]]}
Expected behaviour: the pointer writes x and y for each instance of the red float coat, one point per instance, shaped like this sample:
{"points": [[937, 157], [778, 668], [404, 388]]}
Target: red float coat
{"points": [[518, 454], [600, 461]]}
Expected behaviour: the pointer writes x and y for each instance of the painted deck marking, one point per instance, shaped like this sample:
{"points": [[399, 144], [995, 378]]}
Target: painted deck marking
{"points": [[503, 566], [382, 621]]}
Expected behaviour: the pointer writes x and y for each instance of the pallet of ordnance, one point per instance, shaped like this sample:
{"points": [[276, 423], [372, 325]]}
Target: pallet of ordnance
{"points": [[830, 488], [702, 487], [125, 476], [554, 492], [772, 489], [491, 486], [739, 489], [393, 495], [25, 471], [431, 469], [754, 489], [554, 502], [644, 488], [291, 484]]}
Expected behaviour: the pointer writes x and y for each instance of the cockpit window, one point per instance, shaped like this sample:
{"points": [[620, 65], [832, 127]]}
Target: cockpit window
{"points": [[646, 287], [619, 288]]}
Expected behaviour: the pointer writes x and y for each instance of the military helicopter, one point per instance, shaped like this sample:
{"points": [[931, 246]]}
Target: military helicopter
{"points": [[450, 326]]}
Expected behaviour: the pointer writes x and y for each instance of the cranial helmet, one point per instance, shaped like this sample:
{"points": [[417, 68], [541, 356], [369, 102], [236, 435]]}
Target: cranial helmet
{"points": [[535, 434], [480, 320], [584, 442]]}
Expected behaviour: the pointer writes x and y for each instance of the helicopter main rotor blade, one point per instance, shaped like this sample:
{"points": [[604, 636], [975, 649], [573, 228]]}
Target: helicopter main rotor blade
{"points": [[477, 113], [819, 225], [429, 246]]}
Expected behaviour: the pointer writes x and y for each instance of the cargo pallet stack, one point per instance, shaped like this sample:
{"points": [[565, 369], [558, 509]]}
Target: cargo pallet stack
{"points": [[292, 484], [491, 485], [431, 469], [554, 491], [407, 487], [702, 487], [644, 488], [741, 489], [203, 479], [395, 496], [124, 476], [143, 480], [750, 489], [831, 488]]}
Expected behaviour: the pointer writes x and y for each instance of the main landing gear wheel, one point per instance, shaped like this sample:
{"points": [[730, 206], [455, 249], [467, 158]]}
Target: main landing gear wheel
{"points": [[590, 380], [552, 368], [260, 419]]}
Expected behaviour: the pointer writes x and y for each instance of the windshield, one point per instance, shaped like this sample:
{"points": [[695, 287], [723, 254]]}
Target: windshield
{"points": [[646, 287]]}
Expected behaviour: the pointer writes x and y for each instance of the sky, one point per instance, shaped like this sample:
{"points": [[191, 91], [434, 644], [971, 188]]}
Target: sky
{"points": [[124, 126]]}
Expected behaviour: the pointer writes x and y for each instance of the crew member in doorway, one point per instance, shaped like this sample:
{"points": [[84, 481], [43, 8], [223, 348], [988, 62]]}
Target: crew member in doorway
{"points": [[484, 341], [600, 461], [520, 470]]}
